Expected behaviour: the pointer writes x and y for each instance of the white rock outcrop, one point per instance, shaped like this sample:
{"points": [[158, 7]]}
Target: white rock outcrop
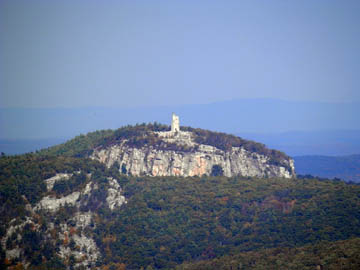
{"points": [[53, 204], [52, 180], [87, 252], [114, 198], [14, 228], [76, 233], [148, 160]]}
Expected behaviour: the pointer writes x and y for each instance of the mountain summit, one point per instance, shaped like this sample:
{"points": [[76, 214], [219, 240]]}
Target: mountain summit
{"points": [[73, 206], [152, 150]]}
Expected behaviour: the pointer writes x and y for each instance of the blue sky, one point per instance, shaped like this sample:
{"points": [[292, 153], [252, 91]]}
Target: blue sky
{"points": [[147, 53]]}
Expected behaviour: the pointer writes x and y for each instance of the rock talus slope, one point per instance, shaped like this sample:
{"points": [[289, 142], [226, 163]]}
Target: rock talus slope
{"points": [[77, 228]]}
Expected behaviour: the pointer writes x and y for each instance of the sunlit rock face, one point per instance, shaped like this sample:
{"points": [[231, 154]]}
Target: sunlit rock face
{"points": [[148, 160], [78, 228]]}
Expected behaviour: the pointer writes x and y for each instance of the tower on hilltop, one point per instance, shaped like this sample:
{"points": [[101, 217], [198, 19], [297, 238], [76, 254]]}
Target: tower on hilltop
{"points": [[175, 123]]}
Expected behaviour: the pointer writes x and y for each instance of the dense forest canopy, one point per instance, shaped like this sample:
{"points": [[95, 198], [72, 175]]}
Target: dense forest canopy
{"points": [[176, 222], [169, 221], [322, 255]]}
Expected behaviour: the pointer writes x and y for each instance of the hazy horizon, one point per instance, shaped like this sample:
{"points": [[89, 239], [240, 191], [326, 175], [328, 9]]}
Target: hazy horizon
{"points": [[181, 105], [70, 67], [133, 54]]}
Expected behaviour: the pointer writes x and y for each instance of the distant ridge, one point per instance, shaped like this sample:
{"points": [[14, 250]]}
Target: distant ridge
{"points": [[343, 167], [235, 116], [295, 143], [318, 142], [22, 146]]}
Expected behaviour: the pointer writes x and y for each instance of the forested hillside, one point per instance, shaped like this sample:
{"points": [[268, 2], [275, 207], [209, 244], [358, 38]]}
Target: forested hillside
{"points": [[337, 255], [170, 221], [198, 218], [61, 210]]}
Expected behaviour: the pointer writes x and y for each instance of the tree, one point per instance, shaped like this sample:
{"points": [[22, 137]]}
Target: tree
{"points": [[123, 169], [217, 170]]}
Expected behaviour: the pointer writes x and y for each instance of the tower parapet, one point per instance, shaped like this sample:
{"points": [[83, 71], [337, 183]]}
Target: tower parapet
{"points": [[175, 123]]}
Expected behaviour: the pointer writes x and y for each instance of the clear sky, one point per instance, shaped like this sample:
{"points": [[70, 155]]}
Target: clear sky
{"points": [[143, 53]]}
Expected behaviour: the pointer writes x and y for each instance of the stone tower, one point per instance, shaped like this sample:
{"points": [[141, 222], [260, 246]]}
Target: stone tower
{"points": [[175, 123]]}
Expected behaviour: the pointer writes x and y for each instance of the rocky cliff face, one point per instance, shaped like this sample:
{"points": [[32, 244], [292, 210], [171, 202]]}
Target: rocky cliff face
{"points": [[190, 159], [71, 236]]}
